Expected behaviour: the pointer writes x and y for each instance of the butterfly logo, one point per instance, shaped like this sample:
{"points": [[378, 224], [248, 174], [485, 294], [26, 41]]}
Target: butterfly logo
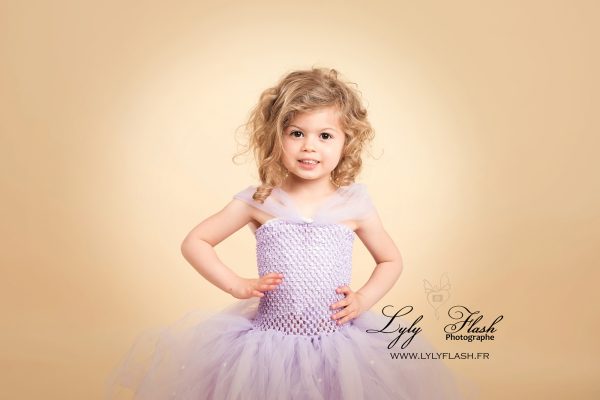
{"points": [[437, 295]]}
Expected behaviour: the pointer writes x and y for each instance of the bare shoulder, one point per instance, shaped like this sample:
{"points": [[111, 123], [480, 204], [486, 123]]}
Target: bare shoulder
{"points": [[376, 239], [219, 226]]}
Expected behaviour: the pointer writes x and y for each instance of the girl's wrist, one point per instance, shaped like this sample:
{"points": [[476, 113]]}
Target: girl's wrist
{"points": [[233, 284], [365, 304]]}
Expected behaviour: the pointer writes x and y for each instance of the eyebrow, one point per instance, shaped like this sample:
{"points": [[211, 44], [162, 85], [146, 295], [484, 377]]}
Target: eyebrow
{"points": [[331, 129]]}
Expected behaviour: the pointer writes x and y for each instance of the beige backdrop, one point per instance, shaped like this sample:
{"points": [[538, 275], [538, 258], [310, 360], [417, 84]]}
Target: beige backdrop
{"points": [[118, 123]]}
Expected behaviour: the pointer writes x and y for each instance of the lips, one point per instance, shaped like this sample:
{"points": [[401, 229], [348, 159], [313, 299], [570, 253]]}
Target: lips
{"points": [[307, 164]]}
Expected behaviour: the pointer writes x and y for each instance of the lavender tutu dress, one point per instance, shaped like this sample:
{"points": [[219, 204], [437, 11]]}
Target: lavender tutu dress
{"points": [[285, 345]]}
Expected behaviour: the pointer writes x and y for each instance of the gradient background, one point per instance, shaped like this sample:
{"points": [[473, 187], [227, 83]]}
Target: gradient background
{"points": [[118, 121]]}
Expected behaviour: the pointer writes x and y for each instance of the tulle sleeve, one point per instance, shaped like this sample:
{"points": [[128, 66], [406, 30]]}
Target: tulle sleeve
{"points": [[246, 195], [362, 203], [352, 203], [276, 205]]}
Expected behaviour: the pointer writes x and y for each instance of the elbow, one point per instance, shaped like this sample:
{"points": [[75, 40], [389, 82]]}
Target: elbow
{"points": [[191, 245], [399, 263], [185, 246]]}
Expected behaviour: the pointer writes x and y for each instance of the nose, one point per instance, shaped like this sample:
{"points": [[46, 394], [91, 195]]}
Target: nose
{"points": [[308, 144]]}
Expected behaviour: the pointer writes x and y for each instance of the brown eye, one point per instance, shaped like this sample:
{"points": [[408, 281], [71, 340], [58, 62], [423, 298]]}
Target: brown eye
{"points": [[328, 136], [293, 133]]}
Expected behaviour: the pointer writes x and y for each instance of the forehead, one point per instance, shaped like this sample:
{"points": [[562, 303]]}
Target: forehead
{"points": [[317, 118]]}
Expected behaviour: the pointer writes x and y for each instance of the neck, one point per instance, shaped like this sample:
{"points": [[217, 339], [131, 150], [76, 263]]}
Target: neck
{"points": [[310, 188]]}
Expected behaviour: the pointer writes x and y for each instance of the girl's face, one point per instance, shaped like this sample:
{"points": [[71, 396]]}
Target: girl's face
{"points": [[313, 143]]}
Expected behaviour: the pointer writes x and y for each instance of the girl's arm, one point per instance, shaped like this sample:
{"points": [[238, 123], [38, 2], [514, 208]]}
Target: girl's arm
{"points": [[386, 255], [197, 249]]}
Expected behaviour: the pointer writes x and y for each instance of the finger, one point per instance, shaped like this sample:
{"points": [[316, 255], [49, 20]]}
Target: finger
{"points": [[339, 304], [345, 302], [349, 307], [344, 289], [272, 284], [340, 314], [347, 318], [271, 279], [265, 286]]}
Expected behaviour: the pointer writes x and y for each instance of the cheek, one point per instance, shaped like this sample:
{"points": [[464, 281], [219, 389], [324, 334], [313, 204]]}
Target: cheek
{"points": [[285, 147], [335, 153], [288, 145], [289, 151]]}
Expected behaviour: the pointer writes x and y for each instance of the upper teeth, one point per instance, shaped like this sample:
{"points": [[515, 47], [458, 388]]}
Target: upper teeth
{"points": [[309, 161]]}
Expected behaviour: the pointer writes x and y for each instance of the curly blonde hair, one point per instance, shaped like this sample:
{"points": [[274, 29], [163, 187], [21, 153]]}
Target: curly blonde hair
{"points": [[296, 92]]}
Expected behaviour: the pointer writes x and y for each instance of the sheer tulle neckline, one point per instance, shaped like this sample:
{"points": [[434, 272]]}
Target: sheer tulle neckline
{"points": [[294, 205]]}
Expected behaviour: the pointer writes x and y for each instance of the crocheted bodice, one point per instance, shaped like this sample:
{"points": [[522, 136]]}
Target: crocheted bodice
{"points": [[314, 255]]}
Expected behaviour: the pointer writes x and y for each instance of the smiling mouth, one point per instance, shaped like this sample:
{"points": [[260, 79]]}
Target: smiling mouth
{"points": [[309, 162]]}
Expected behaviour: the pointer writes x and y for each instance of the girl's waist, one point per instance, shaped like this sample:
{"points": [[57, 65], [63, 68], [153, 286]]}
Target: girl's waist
{"points": [[298, 297], [297, 318]]}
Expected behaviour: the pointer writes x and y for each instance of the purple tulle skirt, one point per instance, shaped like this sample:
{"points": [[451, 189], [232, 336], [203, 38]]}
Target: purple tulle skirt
{"points": [[223, 356]]}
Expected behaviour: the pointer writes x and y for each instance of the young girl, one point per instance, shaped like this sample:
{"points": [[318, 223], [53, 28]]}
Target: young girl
{"points": [[299, 330]]}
